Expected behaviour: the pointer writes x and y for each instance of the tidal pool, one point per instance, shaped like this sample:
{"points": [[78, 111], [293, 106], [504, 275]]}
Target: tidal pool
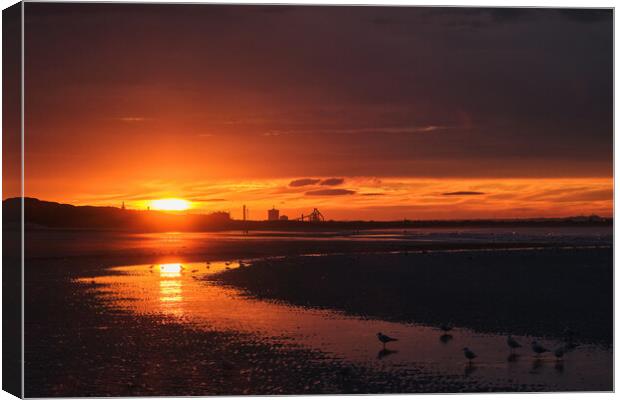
{"points": [[180, 291]]}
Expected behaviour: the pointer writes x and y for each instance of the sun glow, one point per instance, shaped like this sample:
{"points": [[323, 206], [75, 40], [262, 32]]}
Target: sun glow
{"points": [[174, 269], [170, 204]]}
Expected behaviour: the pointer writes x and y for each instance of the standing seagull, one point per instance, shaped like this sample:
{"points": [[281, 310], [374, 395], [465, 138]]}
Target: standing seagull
{"points": [[512, 343], [470, 355], [385, 338], [538, 349]]}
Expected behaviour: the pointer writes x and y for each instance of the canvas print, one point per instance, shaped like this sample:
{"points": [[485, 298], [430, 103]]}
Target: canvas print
{"points": [[205, 199]]}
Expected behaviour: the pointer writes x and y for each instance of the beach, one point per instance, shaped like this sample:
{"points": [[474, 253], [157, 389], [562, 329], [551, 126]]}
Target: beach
{"points": [[205, 314], [537, 292], [272, 199]]}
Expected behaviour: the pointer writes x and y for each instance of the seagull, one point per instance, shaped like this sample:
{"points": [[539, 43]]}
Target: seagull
{"points": [[445, 327], [470, 355], [512, 343], [385, 338], [538, 349]]}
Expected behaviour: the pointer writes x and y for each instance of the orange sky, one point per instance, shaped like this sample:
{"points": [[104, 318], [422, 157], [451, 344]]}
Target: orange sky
{"points": [[366, 197], [226, 106]]}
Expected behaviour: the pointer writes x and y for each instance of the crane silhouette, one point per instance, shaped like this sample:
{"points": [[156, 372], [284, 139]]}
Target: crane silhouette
{"points": [[314, 216]]}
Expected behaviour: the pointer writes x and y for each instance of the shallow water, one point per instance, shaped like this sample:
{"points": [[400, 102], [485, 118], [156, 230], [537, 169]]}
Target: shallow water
{"points": [[61, 243], [180, 292]]}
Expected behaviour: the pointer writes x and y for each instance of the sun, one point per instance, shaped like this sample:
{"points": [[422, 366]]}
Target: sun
{"points": [[170, 204]]}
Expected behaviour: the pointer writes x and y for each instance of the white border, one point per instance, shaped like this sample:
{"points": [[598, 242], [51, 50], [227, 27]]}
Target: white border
{"points": [[479, 3]]}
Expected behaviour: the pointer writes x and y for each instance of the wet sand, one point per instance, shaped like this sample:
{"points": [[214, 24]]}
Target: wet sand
{"points": [[85, 336], [77, 344], [526, 292]]}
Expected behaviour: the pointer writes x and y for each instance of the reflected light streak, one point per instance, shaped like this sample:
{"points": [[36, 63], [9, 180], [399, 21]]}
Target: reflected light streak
{"points": [[171, 288], [170, 270]]}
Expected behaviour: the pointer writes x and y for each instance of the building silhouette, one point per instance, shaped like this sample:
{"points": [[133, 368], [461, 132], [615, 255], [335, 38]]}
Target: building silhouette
{"points": [[273, 214]]}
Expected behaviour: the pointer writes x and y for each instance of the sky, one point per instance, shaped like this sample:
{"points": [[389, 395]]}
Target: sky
{"points": [[364, 112]]}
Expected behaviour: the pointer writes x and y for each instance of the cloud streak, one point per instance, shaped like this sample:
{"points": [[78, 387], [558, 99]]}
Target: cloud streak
{"points": [[332, 182], [330, 192], [463, 193], [131, 119], [304, 182], [362, 130]]}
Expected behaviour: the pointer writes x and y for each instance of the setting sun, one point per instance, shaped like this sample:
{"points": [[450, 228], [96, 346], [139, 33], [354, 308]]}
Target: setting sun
{"points": [[170, 204]]}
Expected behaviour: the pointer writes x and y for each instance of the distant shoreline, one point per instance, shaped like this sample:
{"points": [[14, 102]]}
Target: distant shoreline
{"points": [[43, 215], [323, 227]]}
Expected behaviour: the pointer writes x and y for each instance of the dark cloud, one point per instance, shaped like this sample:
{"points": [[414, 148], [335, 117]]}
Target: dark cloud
{"points": [[389, 72], [304, 182], [332, 182], [330, 192], [373, 194], [464, 193]]}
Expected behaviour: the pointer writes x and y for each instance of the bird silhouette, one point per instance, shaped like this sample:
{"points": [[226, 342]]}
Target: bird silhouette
{"points": [[512, 343], [538, 349], [385, 339], [470, 355]]}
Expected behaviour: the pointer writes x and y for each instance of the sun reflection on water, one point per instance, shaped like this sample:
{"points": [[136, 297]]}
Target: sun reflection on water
{"points": [[181, 291], [170, 270], [171, 288]]}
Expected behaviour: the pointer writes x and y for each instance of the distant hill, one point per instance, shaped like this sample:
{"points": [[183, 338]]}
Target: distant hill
{"points": [[46, 214], [38, 213]]}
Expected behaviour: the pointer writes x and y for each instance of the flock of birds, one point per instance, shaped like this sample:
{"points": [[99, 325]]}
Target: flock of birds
{"points": [[513, 345]]}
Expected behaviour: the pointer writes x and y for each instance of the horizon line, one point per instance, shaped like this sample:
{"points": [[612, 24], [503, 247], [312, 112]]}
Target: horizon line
{"points": [[404, 219]]}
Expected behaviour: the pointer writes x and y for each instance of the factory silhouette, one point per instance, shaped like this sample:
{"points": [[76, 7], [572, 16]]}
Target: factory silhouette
{"points": [[274, 215]]}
